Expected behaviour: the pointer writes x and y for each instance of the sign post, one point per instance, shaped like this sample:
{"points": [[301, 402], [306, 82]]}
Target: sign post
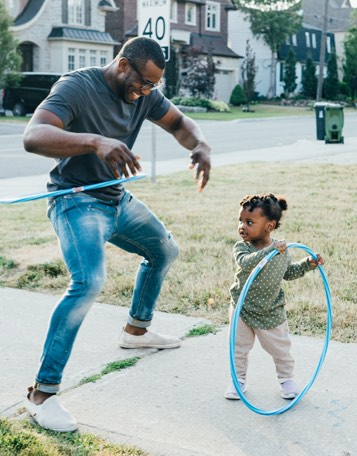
{"points": [[154, 22]]}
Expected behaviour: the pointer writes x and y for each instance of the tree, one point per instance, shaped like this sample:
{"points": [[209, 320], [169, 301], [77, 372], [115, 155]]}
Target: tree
{"points": [[210, 73], [198, 74], [331, 84], [248, 73], [237, 96], [290, 73], [10, 59], [273, 21], [350, 61], [172, 73], [309, 79]]}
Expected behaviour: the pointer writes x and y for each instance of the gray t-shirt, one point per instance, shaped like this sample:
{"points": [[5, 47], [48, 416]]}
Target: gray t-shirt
{"points": [[85, 103]]}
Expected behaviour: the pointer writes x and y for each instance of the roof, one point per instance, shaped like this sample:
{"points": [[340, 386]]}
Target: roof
{"points": [[217, 43], [29, 12], [107, 5], [132, 32], [198, 2], [339, 12], [80, 34]]}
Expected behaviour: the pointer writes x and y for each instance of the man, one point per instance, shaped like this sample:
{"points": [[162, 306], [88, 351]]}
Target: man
{"points": [[89, 123]]}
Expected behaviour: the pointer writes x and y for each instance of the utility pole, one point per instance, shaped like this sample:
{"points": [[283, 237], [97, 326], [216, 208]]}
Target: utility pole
{"points": [[320, 80]]}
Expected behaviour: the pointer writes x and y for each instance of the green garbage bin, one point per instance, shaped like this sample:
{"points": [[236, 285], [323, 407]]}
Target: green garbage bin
{"points": [[320, 119], [334, 121]]}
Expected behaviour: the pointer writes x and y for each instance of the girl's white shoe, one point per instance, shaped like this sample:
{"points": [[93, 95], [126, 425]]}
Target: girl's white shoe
{"points": [[231, 392]]}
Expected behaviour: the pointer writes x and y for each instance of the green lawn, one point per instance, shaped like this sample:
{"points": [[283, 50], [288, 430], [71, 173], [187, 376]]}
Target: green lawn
{"points": [[260, 111], [205, 226]]}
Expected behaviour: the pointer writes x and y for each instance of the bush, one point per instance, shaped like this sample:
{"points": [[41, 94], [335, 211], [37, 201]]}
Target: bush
{"points": [[237, 96], [210, 105], [219, 106], [191, 101]]}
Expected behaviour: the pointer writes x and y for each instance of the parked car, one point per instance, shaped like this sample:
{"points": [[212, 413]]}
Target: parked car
{"points": [[24, 97]]}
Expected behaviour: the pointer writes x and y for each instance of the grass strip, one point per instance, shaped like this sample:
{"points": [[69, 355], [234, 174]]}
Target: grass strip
{"points": [[22, 438], [111, 367]]}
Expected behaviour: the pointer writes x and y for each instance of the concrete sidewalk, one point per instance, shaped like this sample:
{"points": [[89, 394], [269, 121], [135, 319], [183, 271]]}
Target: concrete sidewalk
{"points": [[171, 402]]}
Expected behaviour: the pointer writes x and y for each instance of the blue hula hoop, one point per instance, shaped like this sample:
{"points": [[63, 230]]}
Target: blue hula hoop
{"points": [[235, 318], [67, 191]]}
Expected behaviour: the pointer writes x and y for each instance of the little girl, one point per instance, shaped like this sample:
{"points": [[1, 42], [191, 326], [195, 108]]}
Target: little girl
{"points": [[263, 312]]}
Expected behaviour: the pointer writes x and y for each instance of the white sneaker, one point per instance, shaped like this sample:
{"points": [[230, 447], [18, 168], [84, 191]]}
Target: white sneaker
{"points": [[289, 390], [231, 392], [148, 340], [52, 415]]}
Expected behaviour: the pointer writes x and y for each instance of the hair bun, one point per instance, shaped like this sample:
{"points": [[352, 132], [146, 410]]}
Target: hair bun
{"points": [[282, 203]]}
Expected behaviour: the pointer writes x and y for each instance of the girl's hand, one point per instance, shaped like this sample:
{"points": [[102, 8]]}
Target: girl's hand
{"points": [[314, 263], [280, 246]]}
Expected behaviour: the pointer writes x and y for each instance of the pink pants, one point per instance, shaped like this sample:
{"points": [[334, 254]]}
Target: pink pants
{"points": [[275, 341]]}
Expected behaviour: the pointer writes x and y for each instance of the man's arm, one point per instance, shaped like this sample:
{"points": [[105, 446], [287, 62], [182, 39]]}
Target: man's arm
{"points": [[45, 135], [190, 136]]}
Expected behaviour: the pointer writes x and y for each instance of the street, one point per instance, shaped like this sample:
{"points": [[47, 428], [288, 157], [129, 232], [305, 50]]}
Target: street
{"points": [[236, 137]]}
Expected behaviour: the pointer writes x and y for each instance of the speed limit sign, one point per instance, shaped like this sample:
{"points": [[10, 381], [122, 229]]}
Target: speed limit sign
{"points": [[154, 22]]}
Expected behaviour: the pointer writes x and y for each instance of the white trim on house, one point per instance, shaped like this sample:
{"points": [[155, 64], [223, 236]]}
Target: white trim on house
{"points": [[181, 35], [214, 14], [193, 20]]}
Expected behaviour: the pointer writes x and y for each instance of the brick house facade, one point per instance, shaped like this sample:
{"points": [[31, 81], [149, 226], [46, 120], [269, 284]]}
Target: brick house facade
{"points": [[199, 23]]}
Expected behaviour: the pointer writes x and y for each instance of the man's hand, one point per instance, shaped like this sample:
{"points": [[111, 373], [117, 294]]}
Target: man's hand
{"points": [[118, 156], [200, 158]]}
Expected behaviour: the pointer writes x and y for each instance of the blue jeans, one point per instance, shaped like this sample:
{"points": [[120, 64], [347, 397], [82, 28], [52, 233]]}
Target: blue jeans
{"points": [[83, 225]]}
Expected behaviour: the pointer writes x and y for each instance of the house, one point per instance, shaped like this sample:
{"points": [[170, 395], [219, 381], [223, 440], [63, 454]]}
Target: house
{"points": [[202, 24], [338, 21], [61, 35], [238, 34], [306, 43]]}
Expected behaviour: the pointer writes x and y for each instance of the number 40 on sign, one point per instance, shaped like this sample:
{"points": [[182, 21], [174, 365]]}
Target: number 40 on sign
{"points": [[154, 22]]}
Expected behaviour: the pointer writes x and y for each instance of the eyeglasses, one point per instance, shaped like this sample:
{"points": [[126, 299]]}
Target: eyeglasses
{"points": [[146, 84]]}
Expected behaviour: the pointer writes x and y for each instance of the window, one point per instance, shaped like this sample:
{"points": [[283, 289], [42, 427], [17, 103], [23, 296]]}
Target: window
{"points": [[313, 37], [103, 58], [307, 38], [92, 57], [173, 11], [71, 59], [82, 58], [294, 40], [190, 14], [281, 73], [213, 16], [76, 12], [328, 44]]}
